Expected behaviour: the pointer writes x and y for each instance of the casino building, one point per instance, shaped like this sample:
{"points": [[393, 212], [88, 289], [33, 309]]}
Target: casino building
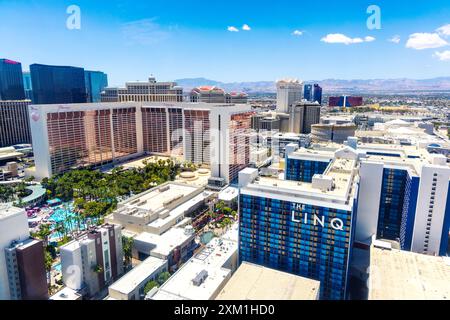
{"points": [[93, 135], [302, 227], [307, 219], [404, 196]]}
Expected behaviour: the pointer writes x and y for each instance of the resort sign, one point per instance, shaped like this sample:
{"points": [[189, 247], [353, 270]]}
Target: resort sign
{"points": [[299, 215]]}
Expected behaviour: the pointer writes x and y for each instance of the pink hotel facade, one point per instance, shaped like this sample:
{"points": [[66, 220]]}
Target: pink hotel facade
{"points": [[97, 134]]}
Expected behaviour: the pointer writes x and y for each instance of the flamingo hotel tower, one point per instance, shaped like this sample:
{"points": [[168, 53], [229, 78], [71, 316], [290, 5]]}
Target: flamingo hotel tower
{"points": [[93, 135]]}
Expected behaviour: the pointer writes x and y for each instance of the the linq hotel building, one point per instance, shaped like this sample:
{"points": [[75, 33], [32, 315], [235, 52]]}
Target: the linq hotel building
{"points": [[306, 219], [303, 223]]}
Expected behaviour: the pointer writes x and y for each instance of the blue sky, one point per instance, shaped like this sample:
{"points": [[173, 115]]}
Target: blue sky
{"points": [[130, 40]]}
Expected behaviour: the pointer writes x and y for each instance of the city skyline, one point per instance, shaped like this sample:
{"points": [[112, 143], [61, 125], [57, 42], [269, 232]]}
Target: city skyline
{"points": [[241, 151], [231, 42]]}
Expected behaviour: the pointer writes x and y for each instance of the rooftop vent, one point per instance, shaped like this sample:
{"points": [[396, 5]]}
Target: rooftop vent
{"points": [[200, 278]]}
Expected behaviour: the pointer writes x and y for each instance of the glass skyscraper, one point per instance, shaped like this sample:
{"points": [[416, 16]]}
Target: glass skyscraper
{"points": [[304, 170], [391, 203], [57, 84], [308, 92], [272, 237], [96, 82], [28, 86], [301, 227], [11, 81], [317, 94]]}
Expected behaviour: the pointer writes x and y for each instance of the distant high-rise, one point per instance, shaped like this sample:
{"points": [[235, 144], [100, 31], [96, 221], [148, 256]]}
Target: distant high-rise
{"points": [[302, 116], [57, 84], [308, 92], [338, 133], [208, 94], [11, 81], [14, 123], [28, 85], [96, 82], [289, 91], [151, 91], [345, 101], [317, 95], [211, 94], [313, 93]]}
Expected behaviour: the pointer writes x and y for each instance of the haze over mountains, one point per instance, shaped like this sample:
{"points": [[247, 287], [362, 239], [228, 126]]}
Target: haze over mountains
{"points": [[330, 85]]}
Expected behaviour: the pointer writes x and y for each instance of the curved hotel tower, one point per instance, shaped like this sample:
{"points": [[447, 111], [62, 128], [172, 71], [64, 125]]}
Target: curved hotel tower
{"points": [[93, 135]]}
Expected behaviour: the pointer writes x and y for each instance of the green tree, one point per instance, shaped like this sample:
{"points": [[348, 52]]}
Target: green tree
{"points": [[6, 193], [48, 260], [162, 278], [149, 286], [43, 233], [127, 246], [97, 269]]}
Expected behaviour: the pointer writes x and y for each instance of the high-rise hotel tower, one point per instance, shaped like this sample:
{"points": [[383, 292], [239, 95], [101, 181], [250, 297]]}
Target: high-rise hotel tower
{"points": [[304, 225], [289, 91], [92, 135]]}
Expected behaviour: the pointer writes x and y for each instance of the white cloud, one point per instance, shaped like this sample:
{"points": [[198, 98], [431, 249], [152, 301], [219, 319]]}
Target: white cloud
{"points": [[342, 38], [443, 56], [421, 41], [246, 27], [395, 39], [444, 30], [297, 33], [145, 32], [233, 29]]}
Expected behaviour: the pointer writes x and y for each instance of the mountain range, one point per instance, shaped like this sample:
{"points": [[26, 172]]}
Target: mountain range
{"points": [[329, 85]]}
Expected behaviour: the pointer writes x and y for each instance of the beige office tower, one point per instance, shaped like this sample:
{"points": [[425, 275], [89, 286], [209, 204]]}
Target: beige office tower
{"points": [[151, 91], [338, 133], [303, 116], [289, 91]]}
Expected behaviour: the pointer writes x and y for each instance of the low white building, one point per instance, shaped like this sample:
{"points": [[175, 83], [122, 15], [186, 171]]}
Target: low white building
{"points": [[131, 286], [94, 260], [159, 209], [175, 245], [204, 275]]}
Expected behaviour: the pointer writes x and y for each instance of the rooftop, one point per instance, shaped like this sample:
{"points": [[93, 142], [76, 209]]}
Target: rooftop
{"points": [[9, 153], [229, 194], [413, 157], [139, 274], [162, 245], [159, 198], [213, 262], [341, 171], [66, 294], [402, 275], [156, 200], [7, 211], [254, 282]]}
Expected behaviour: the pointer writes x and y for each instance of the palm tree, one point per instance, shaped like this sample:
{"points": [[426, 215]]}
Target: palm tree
{"points": [[127, 247], [61, 229], [43, 233]]}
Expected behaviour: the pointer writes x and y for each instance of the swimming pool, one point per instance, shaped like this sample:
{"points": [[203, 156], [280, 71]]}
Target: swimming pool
{"points": [[65, 214], [57, 267], [207, 237]]}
